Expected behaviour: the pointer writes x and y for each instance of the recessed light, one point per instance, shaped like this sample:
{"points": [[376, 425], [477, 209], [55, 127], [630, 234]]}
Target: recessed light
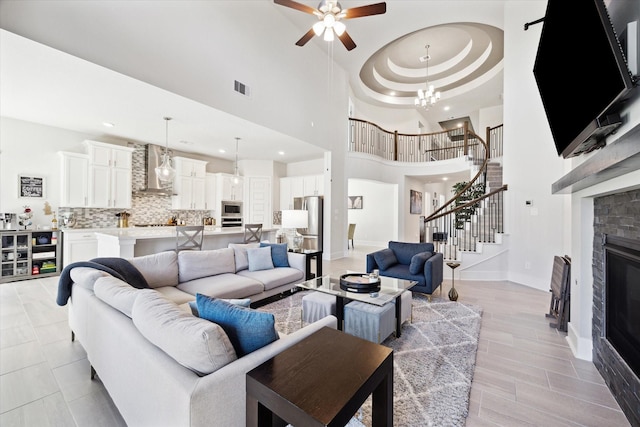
{"points": [[444, 178], [446, 108], [222, 150], [107, 124], [281, 153]]}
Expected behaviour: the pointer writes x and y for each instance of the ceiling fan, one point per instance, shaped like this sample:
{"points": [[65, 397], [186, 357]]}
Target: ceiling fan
{"points": [[330, 13]]}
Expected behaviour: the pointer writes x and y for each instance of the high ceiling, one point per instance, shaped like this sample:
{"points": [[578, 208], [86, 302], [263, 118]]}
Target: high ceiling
{"points": [[41, 83]]}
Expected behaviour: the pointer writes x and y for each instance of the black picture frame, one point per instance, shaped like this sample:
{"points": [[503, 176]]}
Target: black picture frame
{"points": [[30, 186]]}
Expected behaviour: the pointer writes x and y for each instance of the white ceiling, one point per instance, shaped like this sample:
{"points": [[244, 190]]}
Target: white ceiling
{"points": [[44, 85]]}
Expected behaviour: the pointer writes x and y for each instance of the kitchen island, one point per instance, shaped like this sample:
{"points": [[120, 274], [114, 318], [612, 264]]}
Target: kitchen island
{"points": [[139, 241]]}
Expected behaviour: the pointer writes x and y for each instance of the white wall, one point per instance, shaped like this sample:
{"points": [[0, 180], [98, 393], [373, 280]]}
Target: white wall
{"points": [[376, 222], [530, 163]]}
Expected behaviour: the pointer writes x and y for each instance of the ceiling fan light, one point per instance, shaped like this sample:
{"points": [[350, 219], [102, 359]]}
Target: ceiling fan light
{"points": [[328, 35], [339, 28], [318, 28], [329, 20]]}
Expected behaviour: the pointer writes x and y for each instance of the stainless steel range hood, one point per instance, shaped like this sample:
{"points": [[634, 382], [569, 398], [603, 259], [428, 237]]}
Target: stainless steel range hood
{"points": [[153, 159]]}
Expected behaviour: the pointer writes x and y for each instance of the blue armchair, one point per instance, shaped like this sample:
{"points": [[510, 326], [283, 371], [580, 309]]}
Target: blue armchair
{"points": [[409, 261]]}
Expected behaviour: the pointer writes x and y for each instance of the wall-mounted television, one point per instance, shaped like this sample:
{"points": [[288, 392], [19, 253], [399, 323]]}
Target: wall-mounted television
{"points": [[582, 75]]}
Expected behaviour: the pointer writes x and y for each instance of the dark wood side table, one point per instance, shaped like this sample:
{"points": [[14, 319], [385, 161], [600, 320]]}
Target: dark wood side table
{"points": [[322, 381], [308, 256]]}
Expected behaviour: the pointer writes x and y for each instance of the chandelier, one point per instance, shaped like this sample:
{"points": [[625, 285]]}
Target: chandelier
{"points": [[429, 96], [165, 171]]}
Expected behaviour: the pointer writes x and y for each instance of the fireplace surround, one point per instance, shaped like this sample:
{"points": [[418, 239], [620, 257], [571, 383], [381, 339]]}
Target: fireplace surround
{"points": [[616, 266]]}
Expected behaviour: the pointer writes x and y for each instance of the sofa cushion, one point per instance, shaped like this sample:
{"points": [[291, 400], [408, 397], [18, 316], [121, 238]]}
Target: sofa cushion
{"points": [[278, 253], [404, 251], [248, 329], [417, 262], [225, 285], [118, 294], [194, 343], [197, 264], [260, 259], [159, 269], [240, 254], [275, 277], [385, 258]]}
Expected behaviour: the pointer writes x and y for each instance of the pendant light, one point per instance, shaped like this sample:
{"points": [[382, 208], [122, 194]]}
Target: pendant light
{"points": [[165, 172], [429, 96], [235, 175]]}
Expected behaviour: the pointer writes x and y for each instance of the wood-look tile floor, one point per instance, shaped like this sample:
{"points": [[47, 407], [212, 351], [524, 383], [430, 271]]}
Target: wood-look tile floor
{"points": [[525, 373]]}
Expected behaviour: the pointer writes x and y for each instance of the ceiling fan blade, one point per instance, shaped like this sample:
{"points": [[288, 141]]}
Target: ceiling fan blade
{"points": [[304, 39], [298, 6], [347, 41], [372, 9]]}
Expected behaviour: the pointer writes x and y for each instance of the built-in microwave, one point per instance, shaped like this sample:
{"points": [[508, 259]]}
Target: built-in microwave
{"points": [[231, 209]]}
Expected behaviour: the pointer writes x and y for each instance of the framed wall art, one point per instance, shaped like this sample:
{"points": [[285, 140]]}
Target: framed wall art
{"points": [[31, 186], [354, 202], [415, 202]]}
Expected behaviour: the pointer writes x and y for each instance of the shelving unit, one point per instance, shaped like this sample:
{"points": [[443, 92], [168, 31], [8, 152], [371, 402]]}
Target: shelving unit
{"points": [[29, 254]]}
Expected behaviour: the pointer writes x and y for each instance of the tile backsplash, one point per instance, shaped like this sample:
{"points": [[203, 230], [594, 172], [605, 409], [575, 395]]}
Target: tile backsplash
{"points": [[145, 208]]}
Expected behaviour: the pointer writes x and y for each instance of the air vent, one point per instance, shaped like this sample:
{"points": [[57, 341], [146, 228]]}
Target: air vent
{"points": [[241, 88]]}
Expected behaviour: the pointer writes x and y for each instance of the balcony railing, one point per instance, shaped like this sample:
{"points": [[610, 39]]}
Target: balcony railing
{"points": [[453, 229], [367, 137]]}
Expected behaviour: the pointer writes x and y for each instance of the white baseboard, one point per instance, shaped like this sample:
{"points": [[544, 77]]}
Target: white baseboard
{"points": [[582, 348]]}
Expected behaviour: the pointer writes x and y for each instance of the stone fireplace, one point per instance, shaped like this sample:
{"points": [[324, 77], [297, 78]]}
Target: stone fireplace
{"points": [[616, 216]]}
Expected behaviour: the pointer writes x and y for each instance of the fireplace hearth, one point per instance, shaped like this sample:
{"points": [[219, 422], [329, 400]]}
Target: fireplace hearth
{"points": [[616, 297]]}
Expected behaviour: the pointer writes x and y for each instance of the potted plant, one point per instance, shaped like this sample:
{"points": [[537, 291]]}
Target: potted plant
{"points": [[471, 193]]}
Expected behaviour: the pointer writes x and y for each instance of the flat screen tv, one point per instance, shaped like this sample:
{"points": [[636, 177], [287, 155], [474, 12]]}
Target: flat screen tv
{"points": [[582, 75]]}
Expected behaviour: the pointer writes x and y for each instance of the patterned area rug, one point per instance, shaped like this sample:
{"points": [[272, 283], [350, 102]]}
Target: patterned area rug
{"points": [[434, 360]]}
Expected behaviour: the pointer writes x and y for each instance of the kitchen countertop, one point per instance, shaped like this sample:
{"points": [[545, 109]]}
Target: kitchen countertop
{"points": [[155, 232]]}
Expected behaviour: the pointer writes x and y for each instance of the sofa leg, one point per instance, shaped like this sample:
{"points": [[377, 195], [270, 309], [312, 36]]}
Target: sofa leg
{"points": [[73, 336], [93, 372]]}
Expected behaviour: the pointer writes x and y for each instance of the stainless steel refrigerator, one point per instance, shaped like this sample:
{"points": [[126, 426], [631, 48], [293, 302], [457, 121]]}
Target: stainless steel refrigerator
{"points": [[313, 233]]}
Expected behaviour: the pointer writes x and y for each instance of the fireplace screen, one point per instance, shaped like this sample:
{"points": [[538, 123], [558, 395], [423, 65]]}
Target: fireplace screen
{"points": [[622, 284]]}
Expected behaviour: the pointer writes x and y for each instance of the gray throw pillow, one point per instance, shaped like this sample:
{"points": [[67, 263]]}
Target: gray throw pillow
{"points": [[385, 258], [260, 259]]}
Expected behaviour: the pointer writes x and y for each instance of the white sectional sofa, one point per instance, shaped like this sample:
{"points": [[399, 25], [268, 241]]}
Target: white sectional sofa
{"points": [[161, 365]]}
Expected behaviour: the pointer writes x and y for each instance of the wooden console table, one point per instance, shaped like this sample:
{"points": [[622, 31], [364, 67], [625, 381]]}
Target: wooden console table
{"points": [[322, 381]]}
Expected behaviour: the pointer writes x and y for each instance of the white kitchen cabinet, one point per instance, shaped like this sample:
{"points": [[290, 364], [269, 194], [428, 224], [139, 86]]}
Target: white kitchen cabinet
{"points": [[286, 197], [258, 201], [109, 175], [78, 246], [227, 188], [210, 192], [299, 186], [189, 184], [74, 170], [313, 185]]}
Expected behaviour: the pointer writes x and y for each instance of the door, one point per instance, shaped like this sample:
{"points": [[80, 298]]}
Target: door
{"points": [[259, 201]]}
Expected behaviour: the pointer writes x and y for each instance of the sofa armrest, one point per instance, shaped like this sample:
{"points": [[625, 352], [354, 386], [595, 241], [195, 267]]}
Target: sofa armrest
{"points": [[297, 261], [433, 270], [371, 263], [219, 398]]}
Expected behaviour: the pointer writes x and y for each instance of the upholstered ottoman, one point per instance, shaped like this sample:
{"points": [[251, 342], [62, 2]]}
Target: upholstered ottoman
{"points": [[316, 306], [370, 322], [407, 307]]}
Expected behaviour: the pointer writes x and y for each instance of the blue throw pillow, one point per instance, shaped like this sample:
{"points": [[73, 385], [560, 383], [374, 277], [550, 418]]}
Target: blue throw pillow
{"points": [[385, 258], [242, 302], [278, 253], [259, 259], [417, 262], [247, 329]]}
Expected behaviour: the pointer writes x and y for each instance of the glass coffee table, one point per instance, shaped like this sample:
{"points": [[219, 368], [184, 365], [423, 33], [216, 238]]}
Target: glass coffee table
{"points": [[390, 290]]}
